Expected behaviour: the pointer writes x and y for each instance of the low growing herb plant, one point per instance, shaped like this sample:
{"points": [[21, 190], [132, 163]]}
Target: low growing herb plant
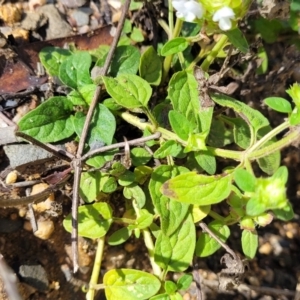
{"points": [[170, 183]]}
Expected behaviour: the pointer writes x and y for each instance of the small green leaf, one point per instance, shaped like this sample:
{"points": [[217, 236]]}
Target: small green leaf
{"points": [[171, 212], [139, 156], [99, 161], [126, 178], [281, 174], [284, 214], [91, 222], [135, 192], [75, 70], [170, 287], [102, 128], [206, 161], [150, 67], [244, 180], [175, 252], [174, 46], [91, 184], [160, 297], [52, 58], [125, 61], [207, 245], [253, 117], [129, 91], [279, 104], [184, 282], [249, 243], [50, 121], [170, 147], [110, 185], [87, 92], [142, 173], [127, 284], [180, 124], [198, 189], [255, 207], [137, 35], [120, 236], [295, 116], [144, 220], [183, 93], [237, 39]]}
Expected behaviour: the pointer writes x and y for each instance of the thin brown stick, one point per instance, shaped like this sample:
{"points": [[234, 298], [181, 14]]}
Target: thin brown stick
{"points": [[226, 247], [121, 145], [62, 154], [7, 120], [77, 161]]}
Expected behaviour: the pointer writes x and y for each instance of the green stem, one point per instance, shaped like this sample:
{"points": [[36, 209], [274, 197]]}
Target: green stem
{"points": [[214, 52], [170, 19], [168, 60], [269, 136], [96, 269], [216, 216], [148, 242], [164, 26]]}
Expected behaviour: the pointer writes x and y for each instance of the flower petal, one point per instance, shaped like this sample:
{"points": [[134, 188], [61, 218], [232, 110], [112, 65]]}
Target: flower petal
{"points": [[225, 24], [195, 8], [224, 12]]}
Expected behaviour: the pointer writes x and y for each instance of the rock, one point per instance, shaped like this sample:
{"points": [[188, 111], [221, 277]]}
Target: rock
{"points": [[33, 20], [57, 27], [45, 229], [34, 275], [81, 16], [72, 3], [11, 177], [34, 154]]}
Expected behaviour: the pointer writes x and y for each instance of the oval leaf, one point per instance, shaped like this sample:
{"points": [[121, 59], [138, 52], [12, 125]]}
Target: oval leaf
{"points": [[279, 104], [198, 189], [127, 284], [129, 91], [249, 243], [174, 46], [50, 121]]}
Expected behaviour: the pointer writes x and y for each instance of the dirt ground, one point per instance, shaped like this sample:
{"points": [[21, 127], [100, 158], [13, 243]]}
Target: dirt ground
{"points": [[275, 271]]}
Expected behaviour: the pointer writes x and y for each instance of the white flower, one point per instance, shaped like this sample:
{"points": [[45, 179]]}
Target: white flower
{"points": [[189, 10], [224, 16]]}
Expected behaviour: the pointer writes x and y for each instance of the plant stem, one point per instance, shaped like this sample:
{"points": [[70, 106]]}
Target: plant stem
{"points": [[214, 52], [168, 60], [96, 269], [148, 243]]}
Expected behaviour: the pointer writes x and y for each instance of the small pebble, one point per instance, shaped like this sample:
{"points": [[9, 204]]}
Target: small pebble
{"points": [[265, 248], [11, 177], [81, 16], [44, 205], [130, 247], [45, 229]]}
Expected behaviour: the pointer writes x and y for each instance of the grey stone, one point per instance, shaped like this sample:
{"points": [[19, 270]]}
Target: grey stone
{"points": [[34, 20], [34, 275], [57, 26], [81, 16]]}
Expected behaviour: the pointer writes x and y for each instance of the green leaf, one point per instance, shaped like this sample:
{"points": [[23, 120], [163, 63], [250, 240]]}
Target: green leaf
{"points": [[99, 161], [249, 243], [129, 91], [142, 173], [91, 221], [137, 35], [174, 46], [183, 93], [139, 156], [170, 147], [120, 236], [87, 92], [295, 116], [52, 58], [279, 104], [237, 39], [102, 127], [206, 161], [198, 189], [207, 245], [244, 180], [76, 98], [150, 67], [284, 214], [171, 212], [135, 192], [253, 117], [175, 252], [75, 70], [219, 136], [170, 287], [144, 220], [110, 185], [127, 178], [160, 297], [184, 282], [127, 284], [91, 184], [180, 124], [125, 61], [270, 162], [255, 207], [263, 67], [281, 174], [50, 121], [241, 131]]}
